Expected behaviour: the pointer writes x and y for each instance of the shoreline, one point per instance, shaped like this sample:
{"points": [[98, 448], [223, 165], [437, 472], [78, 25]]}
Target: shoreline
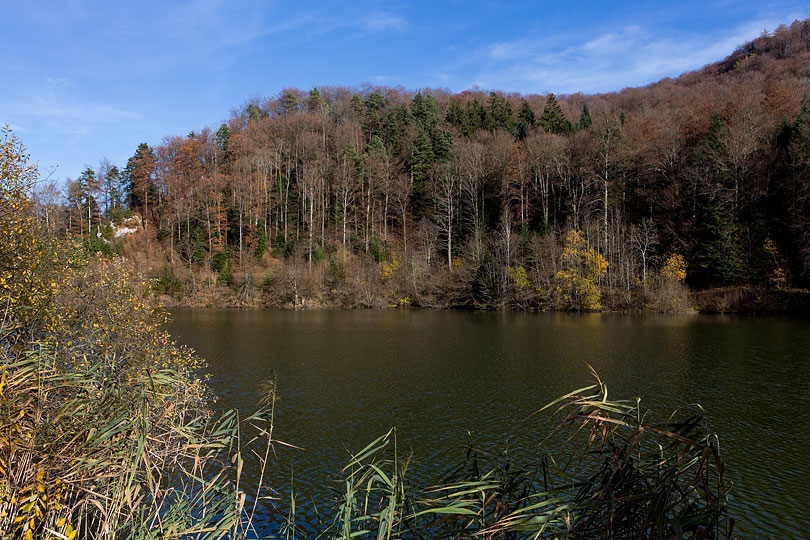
{"points": [[739, 300]]}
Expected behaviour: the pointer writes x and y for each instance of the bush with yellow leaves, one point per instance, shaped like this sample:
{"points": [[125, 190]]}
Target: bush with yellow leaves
{"points": [[666, 292], [578, 279]]}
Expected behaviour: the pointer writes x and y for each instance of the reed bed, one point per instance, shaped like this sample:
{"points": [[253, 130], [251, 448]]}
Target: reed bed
{"points": [[621, 477]]}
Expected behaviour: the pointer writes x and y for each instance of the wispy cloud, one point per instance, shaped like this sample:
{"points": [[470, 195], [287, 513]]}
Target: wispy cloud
{"points": [[378, 22], [630, 56], [306, 25], [56, 106]]}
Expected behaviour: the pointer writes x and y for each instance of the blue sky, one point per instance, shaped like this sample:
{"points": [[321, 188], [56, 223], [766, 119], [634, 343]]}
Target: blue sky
{"points": [[85, 80]]}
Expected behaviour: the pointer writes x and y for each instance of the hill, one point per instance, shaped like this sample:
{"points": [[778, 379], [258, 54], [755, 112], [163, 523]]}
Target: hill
{"points": [[382, 196]]}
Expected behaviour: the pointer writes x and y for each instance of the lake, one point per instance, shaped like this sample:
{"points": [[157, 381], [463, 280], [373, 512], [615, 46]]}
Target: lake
{"points": [[446, 378]]}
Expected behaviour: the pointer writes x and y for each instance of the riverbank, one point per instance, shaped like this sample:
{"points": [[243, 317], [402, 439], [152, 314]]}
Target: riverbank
{"points": [[740, 300]]}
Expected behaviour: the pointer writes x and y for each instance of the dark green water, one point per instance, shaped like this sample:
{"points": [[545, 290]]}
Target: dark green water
{"points": [[443, 378]]}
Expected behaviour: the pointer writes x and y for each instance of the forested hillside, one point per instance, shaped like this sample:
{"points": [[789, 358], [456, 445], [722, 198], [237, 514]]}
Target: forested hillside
{"points": [[384, 196]]}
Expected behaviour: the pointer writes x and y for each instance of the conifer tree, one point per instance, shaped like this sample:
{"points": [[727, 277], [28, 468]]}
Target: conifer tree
{"points": [[422, 158], [526, 120], [585, 120], [553, 120], [499, 113], [425, 112], [315, 102], [289, 103], [455, 114], [139, 173], [475, 116]]}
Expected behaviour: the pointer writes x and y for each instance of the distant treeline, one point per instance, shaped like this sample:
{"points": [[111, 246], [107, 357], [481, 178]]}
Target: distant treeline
{"points": [[382, 195]]}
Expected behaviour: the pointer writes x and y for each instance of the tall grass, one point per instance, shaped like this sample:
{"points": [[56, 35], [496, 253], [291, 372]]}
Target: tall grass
{"points": [[82, 458], [622, 477], [105, 426]]}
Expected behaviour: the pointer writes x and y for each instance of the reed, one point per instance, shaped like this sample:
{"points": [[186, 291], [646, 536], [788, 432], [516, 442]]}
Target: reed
{"points": [[621, 476], [106, 430]]}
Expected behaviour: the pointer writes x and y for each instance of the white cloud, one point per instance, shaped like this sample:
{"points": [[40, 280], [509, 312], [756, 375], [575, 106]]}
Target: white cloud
{"points": [[629, 56], [378, 22], [55, 107]]}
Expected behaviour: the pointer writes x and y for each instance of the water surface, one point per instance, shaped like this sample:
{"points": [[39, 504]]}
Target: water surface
{"points": [[444, 378]]}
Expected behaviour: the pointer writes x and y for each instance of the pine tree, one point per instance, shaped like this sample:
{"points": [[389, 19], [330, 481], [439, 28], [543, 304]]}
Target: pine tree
{"points": [[253, 112], [396, 127], [315, 102], [585, 120], [112, 184], [526, 120], [289, 103], [475, 117], [442, 144], [139, 174], [422, 159], [499, 113], [372, 124], [425, 112], [455, 114], [553, 120]]}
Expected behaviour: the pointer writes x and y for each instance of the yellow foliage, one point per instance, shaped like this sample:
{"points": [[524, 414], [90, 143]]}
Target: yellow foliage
{"points": [[75, 329], [519, 277], [776, 263], [389, 269], [578, 279], [675, 267]]}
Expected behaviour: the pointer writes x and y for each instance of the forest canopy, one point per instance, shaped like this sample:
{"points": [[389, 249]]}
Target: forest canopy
{"points": [[383, 196]]}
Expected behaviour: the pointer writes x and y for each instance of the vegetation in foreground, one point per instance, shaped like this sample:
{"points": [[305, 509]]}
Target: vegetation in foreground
{"points": [[106, 432], [624, 478], [378, 196]]}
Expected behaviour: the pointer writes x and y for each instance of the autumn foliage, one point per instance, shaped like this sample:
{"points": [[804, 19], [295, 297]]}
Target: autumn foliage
{"points": [[105, 430], [303, 197]]}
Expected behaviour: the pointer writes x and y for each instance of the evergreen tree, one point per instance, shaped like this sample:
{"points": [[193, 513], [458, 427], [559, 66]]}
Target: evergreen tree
{"points": [[455, 114], [112, 184], [442, 144], [718, 249], [396, 127], [475, 117], [289, 103], [85, 191], [223, 137], [499, 113], [422, 159], [526, 120], [376, 146], [139, 174], [585, 120], [253, 112], [315, 102], [372, 124], [358, 105], [425, 112], [553, 120], [223, 140]]}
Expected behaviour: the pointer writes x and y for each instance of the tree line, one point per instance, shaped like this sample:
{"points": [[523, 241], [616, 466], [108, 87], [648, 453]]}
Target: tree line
{"points": [[478, 198]]}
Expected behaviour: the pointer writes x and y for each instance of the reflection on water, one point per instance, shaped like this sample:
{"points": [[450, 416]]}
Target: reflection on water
{"points": [[445, 378]]}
